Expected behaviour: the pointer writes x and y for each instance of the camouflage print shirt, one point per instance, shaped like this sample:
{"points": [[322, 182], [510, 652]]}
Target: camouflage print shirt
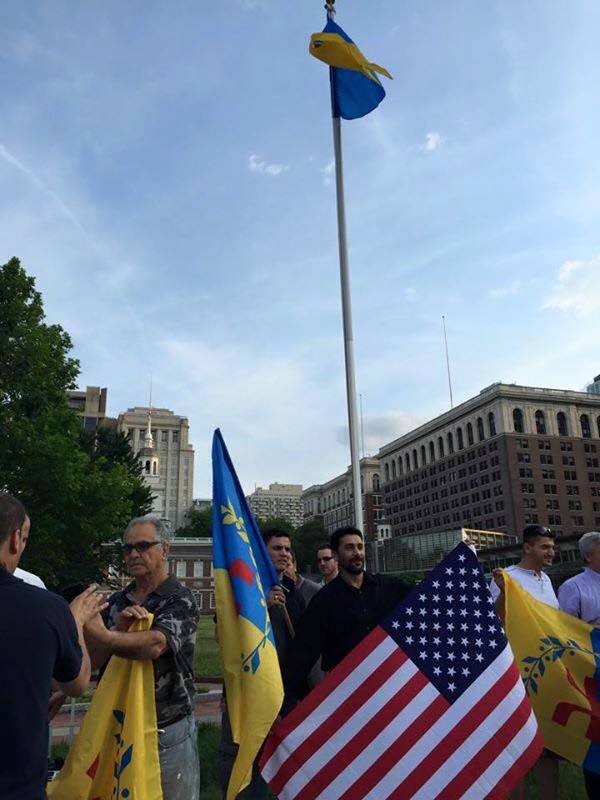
{"points": [[176, 615]]}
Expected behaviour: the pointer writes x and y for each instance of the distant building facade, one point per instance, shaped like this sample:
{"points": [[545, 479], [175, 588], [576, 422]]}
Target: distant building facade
{"points": [[594, 387], [333, 501], [511, 456], [190, 561], [90, 405], [161, 440], [279, 500]]}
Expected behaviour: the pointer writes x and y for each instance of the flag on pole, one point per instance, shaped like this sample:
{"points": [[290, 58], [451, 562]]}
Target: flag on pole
{"points": [[244, 575], [355, 88], [429, 705], [559, 659], [115, 753]]}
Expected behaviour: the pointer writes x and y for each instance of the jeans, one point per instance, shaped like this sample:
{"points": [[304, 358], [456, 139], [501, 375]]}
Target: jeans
{"points": [[178, 756]]}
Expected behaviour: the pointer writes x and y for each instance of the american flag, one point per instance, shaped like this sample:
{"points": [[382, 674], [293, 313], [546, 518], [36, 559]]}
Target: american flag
{"points": [[429, 705]]}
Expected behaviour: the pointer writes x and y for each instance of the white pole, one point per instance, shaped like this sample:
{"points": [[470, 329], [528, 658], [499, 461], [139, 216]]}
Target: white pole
{"points": [[447, 361], [347, 319]]}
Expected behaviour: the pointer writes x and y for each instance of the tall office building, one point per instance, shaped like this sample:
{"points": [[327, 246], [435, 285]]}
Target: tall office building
{"points": [[90, 405], [594, 387], [160, 438], [333, 501], [511, 456], [279, 500]]}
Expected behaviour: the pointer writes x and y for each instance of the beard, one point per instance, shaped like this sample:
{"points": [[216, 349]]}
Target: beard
{"points": [[355, 567]]}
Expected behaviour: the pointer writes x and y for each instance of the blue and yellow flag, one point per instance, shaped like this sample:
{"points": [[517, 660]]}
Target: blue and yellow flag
{"points": [[559, 659], [355, 88], [115, 753], [244, 575]]}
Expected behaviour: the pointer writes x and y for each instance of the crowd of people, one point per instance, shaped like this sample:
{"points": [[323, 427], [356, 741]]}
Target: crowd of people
{"points": [[51, 647]]}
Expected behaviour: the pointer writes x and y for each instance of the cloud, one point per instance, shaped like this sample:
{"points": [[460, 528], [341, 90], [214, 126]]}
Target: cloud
{"points": [[433, 141], [328, 171], [577, 288], [410, 293], [382, 429], [256, 164], [33, 178], [505, 291]]}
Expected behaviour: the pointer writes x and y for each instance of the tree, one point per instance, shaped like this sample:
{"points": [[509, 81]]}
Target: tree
{"points": [[198, 524], [267, 524], [307, 539], [77, 500]]}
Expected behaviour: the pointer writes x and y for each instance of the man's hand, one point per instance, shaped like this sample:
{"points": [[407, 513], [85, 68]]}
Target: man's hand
{"points": [[276, 597], [498, 576], [129, 615], [55, 704], [87, 605]]}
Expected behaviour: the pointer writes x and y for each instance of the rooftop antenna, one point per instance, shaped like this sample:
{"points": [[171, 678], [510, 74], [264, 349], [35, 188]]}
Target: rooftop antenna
{"points": [[447, 361], [362, 427]]}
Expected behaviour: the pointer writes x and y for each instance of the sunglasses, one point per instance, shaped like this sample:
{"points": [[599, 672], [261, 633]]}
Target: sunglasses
{"points": [[325, 558], [141, 547]]}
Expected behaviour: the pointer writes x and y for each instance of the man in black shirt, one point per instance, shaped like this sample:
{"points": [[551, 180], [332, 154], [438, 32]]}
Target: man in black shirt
{"points": [[41, 639], [340, 615]]}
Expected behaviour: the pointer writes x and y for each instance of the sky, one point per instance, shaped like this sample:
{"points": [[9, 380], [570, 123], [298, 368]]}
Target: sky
{"points": [[166, 176]]}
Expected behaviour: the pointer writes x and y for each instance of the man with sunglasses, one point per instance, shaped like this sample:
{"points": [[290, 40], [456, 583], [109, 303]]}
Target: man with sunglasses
{"points": [[169, 644], [326, 563]]}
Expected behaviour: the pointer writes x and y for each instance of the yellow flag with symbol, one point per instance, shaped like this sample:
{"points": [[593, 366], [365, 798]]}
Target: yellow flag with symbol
{"points": [[115, 754], [559, 659]]}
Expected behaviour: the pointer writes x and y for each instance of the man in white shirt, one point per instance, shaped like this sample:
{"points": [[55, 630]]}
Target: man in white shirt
{"points": [[538, 552]]}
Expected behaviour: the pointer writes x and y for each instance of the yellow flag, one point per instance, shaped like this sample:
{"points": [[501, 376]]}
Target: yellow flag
{"points": [[559, 659], [115, 754]]}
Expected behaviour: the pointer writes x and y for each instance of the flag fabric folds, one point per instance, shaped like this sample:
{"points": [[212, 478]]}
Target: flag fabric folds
{"points": [[115, 753], [429, 705], [355, 88], [559, 659], [244, 575]]}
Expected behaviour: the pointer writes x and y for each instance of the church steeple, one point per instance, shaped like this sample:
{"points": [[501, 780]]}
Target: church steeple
{"points": [[148, 440]]}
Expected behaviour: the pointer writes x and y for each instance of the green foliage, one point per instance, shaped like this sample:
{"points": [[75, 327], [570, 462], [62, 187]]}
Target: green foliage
{"points": [[267, 524], [198, 524], [307, 539], [206, 658], [76, 498]]}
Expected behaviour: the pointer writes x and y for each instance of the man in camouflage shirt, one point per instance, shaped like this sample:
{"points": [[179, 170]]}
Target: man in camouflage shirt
{"points": [[169, 644]]}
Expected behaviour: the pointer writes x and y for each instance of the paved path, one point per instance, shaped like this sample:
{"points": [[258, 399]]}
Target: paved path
{"points": [[207, 708]]}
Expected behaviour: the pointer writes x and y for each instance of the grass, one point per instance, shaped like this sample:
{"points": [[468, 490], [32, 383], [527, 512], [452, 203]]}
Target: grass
{"points": [[206, 661], [571, 778]]}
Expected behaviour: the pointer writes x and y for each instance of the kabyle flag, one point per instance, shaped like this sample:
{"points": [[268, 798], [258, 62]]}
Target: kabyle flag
{"points": [[429, 705]]}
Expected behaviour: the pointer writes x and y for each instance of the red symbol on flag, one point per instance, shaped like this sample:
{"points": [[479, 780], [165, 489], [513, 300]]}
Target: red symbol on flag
{"points": [[94, 768]]}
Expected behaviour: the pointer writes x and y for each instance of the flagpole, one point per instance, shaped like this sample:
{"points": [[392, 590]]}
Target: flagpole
{"points": [[346, 306]]}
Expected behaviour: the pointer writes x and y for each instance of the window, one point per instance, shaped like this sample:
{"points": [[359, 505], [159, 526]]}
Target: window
{"points": [[568, 461], [527, 488], [544, 444], [198, 569], [470, 439], [415, 460], [540, 422], [480, 432], [518, 420], [570, 475], [548, 475], [552, 505], [181, 569], [440, 447], [546, 459], [561, 422], [549, 488], [523, 443], [431, 452], [598, 426], [566, 447], [375, 483], [386, 470], [586, 430], [407, 462], [524, 458], [423, 455], [393, 468], [491, 423], [450, 443], [554, 519], [400, 470], [175, 438]]}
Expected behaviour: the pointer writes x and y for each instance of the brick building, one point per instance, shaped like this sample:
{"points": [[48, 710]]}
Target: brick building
{"points": [[190, 561], [510, 456]]}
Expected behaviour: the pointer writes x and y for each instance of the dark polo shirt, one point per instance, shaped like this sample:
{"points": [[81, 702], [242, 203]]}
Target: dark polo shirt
{"points": [[175, 615], [337, 618], [39, 642]]}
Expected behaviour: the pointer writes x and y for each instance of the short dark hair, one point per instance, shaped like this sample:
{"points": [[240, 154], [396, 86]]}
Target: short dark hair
{"points": [[12, 515], [533, 532], [274, 533], [334, 541], [324, 546]]}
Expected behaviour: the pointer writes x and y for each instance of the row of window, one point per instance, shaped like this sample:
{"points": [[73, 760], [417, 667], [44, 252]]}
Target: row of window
{"points": [[561, 424], [164, 436]]}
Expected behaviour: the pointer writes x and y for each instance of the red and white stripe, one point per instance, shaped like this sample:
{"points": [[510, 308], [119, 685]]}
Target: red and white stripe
{"points": [[376, 728]]}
